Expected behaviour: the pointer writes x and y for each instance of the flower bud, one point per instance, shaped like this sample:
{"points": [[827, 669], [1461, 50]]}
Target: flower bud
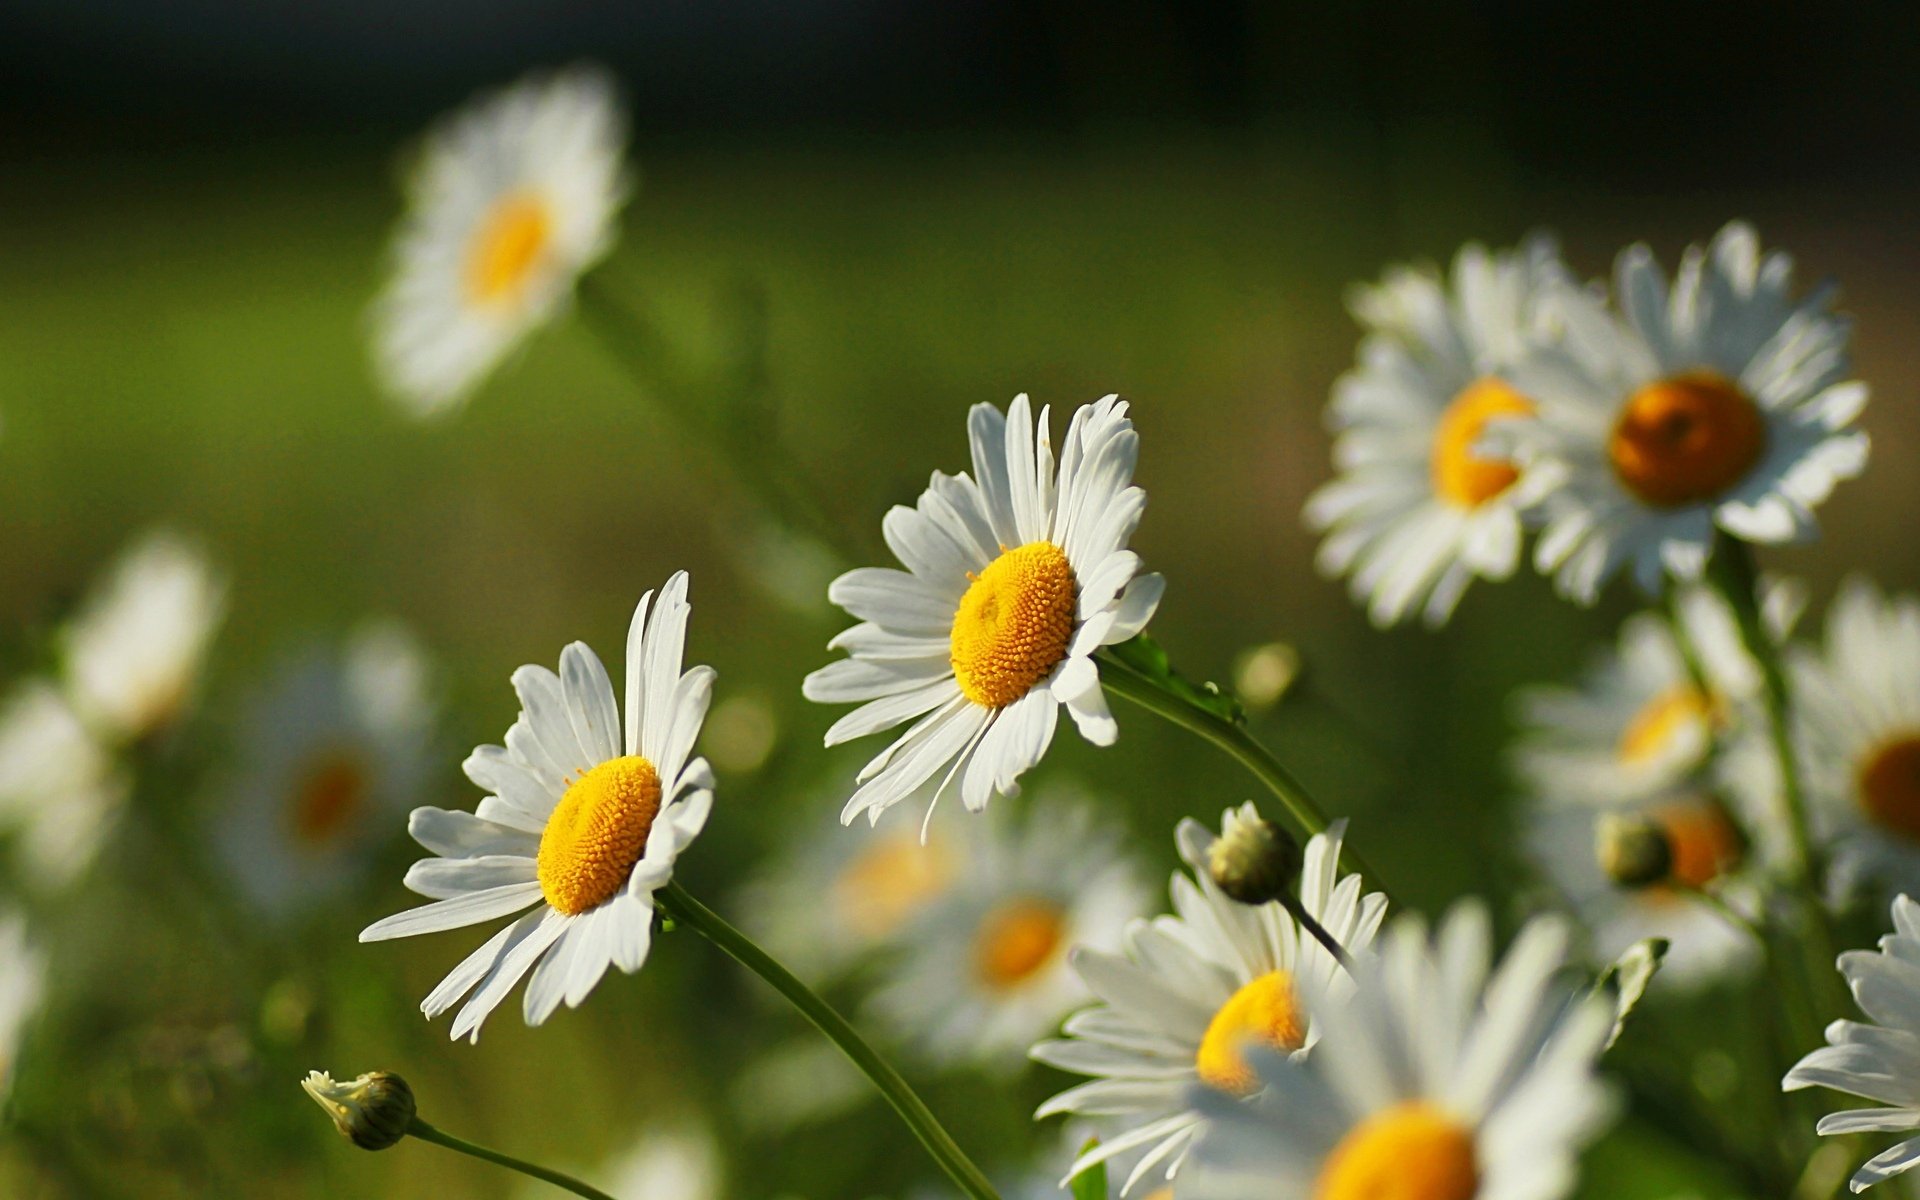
{"points": [[1253, 860], [1633, 850], [373, 1111]]}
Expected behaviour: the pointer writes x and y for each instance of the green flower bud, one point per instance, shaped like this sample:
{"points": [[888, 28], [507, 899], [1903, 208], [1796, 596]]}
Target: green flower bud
{"points": [[1633, 850], [1253, 860], [374, 1111]]}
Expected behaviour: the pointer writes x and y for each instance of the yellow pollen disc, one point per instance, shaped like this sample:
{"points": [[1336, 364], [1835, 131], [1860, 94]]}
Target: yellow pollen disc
{"points": [[1704, 843], [1014, 623], [1411, 1151], [1018, 940], [1662, 719], [1460, 476], [329, 797], [1685, 440], [509, 245], [1263, 1012], [888, 882], [1890, 786], [597, 832]]}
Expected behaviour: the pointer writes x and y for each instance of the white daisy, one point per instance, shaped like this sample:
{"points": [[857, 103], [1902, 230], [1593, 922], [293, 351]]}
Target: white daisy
{"points": [[1433, 1080], [23, 977], [581, 825], [61, 791], [983, 970], [1191, 992], [1721, 405], [1879, 1060], [332, 747], [513, 197], [1418, 509], [134, 652], [1013, 580]]}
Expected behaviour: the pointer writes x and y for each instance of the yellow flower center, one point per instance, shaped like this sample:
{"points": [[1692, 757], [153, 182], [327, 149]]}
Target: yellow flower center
{"points": [[888, 881], [1017, 941], [1014, 623], [1660, 720], [1461, 476], [1704, 843], [1687, 439], [329, 796], [1411, 1151], [597, 832], [1263, 1012], [1890, 786], [509, 246]]}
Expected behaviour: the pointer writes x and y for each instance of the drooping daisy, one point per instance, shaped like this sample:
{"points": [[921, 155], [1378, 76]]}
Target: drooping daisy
{"points": [[1878, 1060], [1433, 1080], [135, 650], [1189, 995], [61, 791], [1014, 578], [581, 824], [513, 197], [1419, 508], [984, 970], [1722, 404], [334, 746], [23, 971]]}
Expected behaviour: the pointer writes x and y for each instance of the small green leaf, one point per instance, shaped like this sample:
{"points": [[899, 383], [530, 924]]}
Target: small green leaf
{"points": [[1144, 656], [1091, 1184], [1625, 982]]}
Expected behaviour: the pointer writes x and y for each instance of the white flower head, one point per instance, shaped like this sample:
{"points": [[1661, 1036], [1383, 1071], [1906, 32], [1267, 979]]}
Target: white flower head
{"points": [[1191, 994], [983, 970], [582, 823], [1014, 578], [1437, 1077], [334, 745], [1419, 508], [135, 650], [1879, 1059], [1721, 404], [61, 790], [514, 196], [23, 979]]}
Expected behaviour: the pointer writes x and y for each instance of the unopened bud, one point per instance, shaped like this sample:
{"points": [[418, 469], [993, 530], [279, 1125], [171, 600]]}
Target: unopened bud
{"points": [[1633, 850], [1253, 860], [373, 1111]]}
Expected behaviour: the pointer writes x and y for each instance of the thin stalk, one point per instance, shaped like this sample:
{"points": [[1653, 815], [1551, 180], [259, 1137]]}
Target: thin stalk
{"points": [[919, 1118], [428, 1133], [1727, 913], [1239, 745], [1307, 922]]}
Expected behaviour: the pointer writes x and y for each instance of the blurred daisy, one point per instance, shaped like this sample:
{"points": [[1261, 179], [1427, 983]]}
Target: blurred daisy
{"points": [[1013, 580], [135, 650], [1192, 993], [333, 746], [23, 971], [1419, 509], [1878, 1060], [983, 970], [61, 791], [513, 197], [580, 824], [1721, 405], [677, 1162], [1433, 1080]]}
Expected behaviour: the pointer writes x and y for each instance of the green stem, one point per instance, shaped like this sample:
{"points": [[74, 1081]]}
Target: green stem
{"points": [[1727, 913], [1239, 745], [1307, 922], [428, 1133], [919, 1118]]}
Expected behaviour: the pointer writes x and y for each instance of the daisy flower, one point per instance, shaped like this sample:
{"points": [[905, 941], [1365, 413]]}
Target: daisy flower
{"points": [[983, 972], [1877, 1060], [581, 825], [1419, 509], [334, 745], [135, 650], [513, 197], [1014, 578], [1721, 404], [1191, 993], [61, 791], [23, 972], [1434, 1079]]}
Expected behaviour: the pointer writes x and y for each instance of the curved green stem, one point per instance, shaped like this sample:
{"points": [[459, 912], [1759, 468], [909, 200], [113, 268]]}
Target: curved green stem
{"points": [[919, 1118], [428, 1133], [1239, 745]]}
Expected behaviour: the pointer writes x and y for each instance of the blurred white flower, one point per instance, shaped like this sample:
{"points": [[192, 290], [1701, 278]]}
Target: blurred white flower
{"points": [[513, 197], [674, 1162], [61, 791], [23, 978]]}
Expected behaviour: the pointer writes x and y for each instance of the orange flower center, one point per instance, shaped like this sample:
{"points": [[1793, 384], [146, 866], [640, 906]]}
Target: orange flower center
{"points": [[1461, 476], [330, 796], [1017, 941], [888, 881], [1686, 440], [1890, 786], [1264, 1012], [1411, 1151], [1704, 843], [510, 244]]}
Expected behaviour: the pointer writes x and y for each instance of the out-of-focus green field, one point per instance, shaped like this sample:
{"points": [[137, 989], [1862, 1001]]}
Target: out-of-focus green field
{"points": [[181, 341]]}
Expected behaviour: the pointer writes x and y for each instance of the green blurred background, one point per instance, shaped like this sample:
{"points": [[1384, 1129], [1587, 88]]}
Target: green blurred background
{"points": [[932, 206]]}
